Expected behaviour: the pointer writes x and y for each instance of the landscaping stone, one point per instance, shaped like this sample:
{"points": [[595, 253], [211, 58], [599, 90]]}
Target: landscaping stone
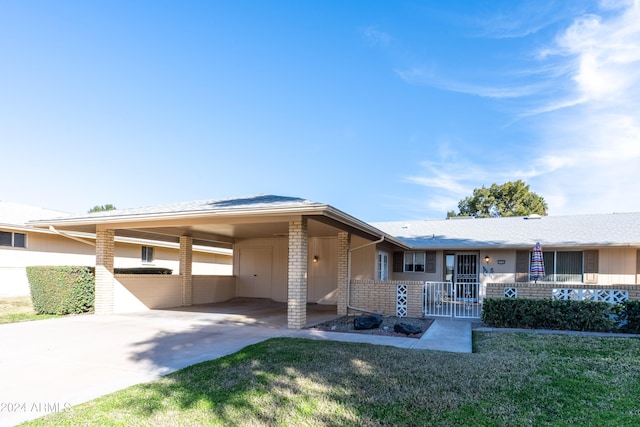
{"points": [[404, 328], [345, 324], [367, 322]]}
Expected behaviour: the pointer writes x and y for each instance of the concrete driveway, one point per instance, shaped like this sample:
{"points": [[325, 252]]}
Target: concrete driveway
{"points": [[51, 365]]}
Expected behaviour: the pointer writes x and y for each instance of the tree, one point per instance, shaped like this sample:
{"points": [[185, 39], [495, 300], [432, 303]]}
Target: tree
{"points": [[103, 208], [508, 199]]}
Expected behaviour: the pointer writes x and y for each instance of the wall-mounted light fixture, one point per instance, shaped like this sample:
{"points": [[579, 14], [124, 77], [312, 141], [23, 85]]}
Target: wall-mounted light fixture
{"points": [[315, 258], [487, 259]]}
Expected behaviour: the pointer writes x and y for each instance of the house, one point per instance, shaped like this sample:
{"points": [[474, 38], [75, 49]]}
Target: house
{"points": [[585, 256], [299, 251], [22, 245]]}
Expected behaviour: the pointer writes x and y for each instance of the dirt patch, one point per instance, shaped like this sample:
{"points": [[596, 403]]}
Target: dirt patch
{"points": [[345, 324]]}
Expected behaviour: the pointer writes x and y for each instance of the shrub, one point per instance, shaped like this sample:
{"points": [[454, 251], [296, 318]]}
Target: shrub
{"points": [[61, 290], [630, 317], [550, 314]]}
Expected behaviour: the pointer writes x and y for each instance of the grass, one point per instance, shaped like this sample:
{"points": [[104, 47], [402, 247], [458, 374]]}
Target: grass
{"points": [[19, 309], [521, 379]]}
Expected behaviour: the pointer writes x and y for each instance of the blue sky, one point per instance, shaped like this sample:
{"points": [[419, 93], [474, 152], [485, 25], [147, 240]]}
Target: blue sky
{"points": [[385, 110]]}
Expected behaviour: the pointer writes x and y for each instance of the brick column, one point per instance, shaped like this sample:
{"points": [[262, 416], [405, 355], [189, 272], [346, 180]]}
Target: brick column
{"points": [[297, 274], [186, 265], [104, 271], [344, 243]]}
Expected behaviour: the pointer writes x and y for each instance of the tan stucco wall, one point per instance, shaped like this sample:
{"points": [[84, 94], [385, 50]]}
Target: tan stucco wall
{"points": [[615, 266], [130, 255], [52, 249], [363, 261], [152, 291], [42, 249], [210, 289], [140, 292], [321, 276]]}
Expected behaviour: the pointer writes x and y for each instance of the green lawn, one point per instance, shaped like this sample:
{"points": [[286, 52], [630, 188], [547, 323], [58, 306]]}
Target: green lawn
{"points": [[19, 309], [511, 379]]}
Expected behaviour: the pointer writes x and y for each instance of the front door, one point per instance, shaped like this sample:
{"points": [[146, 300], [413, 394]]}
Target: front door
{"points": [[461, 269]]}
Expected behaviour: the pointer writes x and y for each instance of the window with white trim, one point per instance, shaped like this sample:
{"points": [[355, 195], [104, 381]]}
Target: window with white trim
{"points": [[414, 261], [147, 254], [382, 272], [15, 240], [563, 266]]}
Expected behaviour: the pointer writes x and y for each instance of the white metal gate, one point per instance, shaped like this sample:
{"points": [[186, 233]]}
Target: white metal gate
{"points": [[448, 299]]}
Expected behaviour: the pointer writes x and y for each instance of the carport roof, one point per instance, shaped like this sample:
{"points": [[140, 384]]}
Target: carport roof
{"points": [[219, 222]]}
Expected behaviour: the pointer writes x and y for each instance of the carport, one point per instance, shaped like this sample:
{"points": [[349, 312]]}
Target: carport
{"points": [[270, 237]]}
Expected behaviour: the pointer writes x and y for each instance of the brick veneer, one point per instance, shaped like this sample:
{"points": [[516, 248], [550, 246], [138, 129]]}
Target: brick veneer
{"points": [[297, 274], [186, 257], [381, 296], [344, 244], [104, 271]]}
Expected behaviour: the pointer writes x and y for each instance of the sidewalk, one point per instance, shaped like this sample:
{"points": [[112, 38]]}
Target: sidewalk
{"points": [[443, 335]]}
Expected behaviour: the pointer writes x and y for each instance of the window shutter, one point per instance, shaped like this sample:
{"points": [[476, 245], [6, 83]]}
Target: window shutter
{"points": [[638, 263], [430, 265], [398, 262], [591, 266], [522, 266]]}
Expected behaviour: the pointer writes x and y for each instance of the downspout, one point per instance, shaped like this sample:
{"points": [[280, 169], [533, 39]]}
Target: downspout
{"points": [[52, 229], [349, 276]]}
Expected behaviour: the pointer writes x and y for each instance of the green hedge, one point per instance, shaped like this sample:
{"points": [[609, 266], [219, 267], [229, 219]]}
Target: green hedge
{"points": [[61, 290], [630, 317], [553, 314]]}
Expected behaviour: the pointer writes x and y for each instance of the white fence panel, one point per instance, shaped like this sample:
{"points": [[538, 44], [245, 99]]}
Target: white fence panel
{"points": [[456, 300]]}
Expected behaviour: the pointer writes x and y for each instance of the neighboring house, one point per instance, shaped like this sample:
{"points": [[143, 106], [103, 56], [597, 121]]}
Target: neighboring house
{"points": [[299, 251], [22, 245]]}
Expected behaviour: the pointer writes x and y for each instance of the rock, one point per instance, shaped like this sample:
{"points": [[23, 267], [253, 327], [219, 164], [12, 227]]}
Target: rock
{"points": [[405, 328], [367, 322]]}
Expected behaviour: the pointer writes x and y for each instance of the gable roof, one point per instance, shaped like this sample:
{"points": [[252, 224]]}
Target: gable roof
{"points": [[619, 229]]}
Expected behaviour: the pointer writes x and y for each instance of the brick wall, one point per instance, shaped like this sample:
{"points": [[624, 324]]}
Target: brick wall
{"points": [[186, 266], [104, 271], [297, 277], [381, 296]]}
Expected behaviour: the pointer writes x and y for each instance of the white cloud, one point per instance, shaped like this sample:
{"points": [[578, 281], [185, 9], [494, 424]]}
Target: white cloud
{"points": [[376, 37], [602, 133], [586, 132], [425, 77]]}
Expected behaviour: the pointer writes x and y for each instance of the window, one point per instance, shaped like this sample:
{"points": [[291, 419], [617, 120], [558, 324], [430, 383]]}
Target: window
{"points": [[17, 240], [5, 238], [383, 266], [563, 266], [414, 261], [147, 254]]}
